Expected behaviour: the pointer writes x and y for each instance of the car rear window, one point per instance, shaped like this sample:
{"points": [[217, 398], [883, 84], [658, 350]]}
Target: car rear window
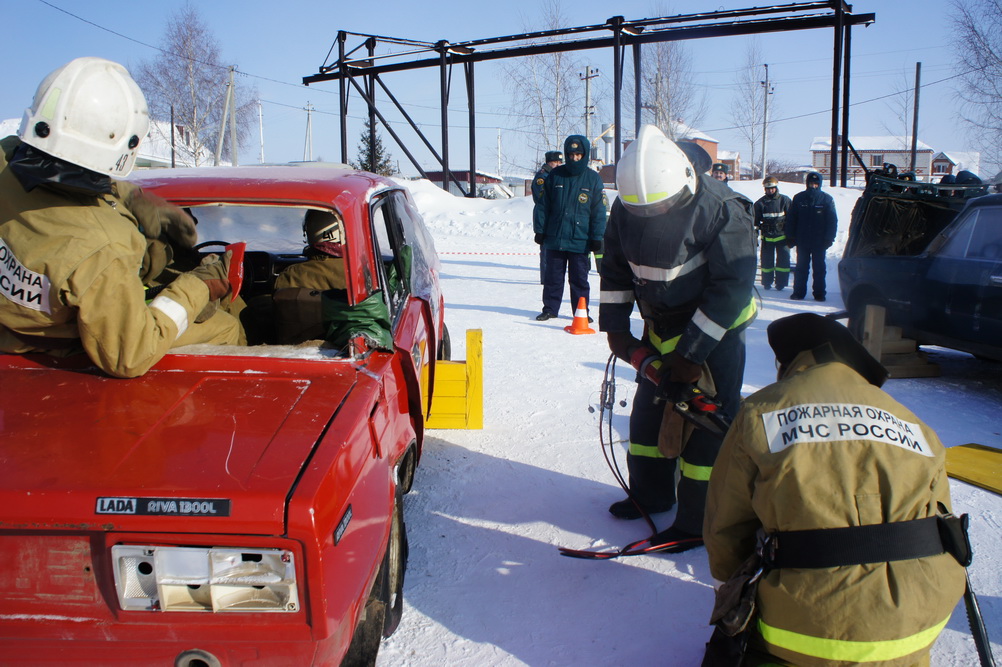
{"points": [[270, 228]]}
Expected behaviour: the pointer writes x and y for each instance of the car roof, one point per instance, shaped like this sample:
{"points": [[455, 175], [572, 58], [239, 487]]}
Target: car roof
{"points": [[985, 200], [302, 183]]}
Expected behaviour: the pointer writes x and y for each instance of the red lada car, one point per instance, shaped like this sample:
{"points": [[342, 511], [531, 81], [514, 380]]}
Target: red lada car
{"points": [[236, 505]]}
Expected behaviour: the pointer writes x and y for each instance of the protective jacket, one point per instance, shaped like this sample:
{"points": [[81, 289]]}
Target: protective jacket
{"points": [[69, 278], [571, 211], [823, 448], [770, 217], [690, 269], [538, 180], [811, 221]]}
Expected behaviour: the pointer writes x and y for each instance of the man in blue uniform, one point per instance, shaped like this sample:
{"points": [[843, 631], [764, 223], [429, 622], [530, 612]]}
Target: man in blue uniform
{"points": [[569, 221], [811, 224], [552, 159]]}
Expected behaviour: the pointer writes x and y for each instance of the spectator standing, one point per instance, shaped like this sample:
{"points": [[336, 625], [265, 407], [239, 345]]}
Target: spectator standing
{"points": [[811, 224], [719, 172], [840, 493], [569, 222], [770, 221], [551, 159], [680, 245]]}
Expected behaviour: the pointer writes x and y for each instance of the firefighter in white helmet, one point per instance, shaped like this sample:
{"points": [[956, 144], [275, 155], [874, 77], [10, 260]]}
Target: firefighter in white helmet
{"points": [[72, 248], [680, 245]]}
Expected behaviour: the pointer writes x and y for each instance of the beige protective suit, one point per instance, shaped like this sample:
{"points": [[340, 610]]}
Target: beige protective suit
{"points": [[69, 266], [823, 448]]}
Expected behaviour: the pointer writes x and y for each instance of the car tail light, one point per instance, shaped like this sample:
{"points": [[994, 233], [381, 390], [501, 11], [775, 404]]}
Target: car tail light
{"points": [[195, 579]]}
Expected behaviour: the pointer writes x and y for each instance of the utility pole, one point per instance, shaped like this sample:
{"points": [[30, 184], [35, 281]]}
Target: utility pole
{"points": [[308, 148], [227, 101], [234, 148], [918, 78], [765, 113], [589, 74], [260, 122]]}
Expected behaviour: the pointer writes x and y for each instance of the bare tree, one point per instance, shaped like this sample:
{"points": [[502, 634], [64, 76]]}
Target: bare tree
{"points": [[188, 76], [977, 27], [748, 106], [546, 100], [668, 92], [901, 111]]}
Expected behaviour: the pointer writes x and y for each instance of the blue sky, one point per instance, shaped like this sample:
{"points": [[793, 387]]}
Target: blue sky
{"points": [[276, 44]]}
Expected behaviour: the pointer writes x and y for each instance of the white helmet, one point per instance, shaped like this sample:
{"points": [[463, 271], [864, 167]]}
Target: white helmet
{"points": [[90, 113], [654, 174]]}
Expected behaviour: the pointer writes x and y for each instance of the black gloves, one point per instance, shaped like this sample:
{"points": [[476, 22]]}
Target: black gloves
{"points": [[594, 246], [539, 238]]}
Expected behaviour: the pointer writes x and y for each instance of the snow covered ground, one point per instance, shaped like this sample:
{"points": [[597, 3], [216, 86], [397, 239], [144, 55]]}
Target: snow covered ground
{"points": [[486, 584]]}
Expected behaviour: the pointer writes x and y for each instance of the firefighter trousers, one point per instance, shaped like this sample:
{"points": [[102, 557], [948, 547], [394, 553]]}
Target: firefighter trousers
{"points": [[652, 476]]}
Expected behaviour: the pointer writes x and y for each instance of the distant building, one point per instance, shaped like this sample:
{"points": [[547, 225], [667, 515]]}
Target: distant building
{"points": [[482, 179], [733, 161], [875, 152], [950, 162]]}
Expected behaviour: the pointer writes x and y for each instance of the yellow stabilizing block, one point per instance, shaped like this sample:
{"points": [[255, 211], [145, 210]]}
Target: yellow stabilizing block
{"points": [[458, 398], [977, 465]]}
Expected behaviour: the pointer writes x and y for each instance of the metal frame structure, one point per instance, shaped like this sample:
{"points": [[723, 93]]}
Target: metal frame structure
{"points": [[351, 65]]}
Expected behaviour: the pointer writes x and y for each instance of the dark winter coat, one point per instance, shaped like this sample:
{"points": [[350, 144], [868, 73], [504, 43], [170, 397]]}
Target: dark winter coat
{"points": [[571, 211], [692, 269], [538, 180], [770, 216], [811, 221]]}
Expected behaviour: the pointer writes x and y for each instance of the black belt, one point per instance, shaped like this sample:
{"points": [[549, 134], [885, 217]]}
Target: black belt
{"points": [[878, 543]]}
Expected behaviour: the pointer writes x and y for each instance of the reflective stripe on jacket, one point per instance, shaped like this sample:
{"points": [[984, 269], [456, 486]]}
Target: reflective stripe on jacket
{"points": [[692, 269], [770, 216], [77, 259]]}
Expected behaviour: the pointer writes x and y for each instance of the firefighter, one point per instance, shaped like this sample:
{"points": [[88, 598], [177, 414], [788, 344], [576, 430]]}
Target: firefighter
{"points": [[680, 245], [866, 575], [770, 221], [71, 249]]}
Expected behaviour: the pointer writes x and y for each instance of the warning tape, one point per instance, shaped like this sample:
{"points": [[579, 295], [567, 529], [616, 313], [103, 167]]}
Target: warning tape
{"points": [[518, 253]]}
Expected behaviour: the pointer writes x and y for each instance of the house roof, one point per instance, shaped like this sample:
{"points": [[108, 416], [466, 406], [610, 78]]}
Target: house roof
{"points": [[888, 143], [969, 160], [684, 132]]}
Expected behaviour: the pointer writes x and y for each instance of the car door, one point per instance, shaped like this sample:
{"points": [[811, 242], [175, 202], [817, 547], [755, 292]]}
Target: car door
{"points": [[965, 278]]}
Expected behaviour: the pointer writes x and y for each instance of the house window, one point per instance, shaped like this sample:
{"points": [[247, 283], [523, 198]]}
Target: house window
{"points": [[877, 160]]}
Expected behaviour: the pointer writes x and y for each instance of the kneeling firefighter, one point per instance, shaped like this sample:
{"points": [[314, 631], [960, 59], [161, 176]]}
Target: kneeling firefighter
{"points": [[831, 498], [681, 245]]}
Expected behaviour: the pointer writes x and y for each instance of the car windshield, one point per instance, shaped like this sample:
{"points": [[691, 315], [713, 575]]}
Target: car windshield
{"points": [[270, 228], [979, 235]]}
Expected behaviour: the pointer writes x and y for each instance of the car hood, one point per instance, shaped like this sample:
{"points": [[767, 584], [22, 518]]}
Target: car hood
{"points": [[178, 450]]}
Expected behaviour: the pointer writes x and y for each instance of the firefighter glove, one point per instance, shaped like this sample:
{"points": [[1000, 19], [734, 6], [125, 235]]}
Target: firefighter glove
{"points": [[622, 343], [213, 271], [158, 217], [680, 369]]}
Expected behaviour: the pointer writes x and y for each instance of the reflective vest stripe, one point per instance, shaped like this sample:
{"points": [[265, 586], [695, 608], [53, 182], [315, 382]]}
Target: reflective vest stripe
{"points": [[708, 326], [652, 197], [775, 239], [651, 452], [695, 472], [608, 296], [847, 650], [667, 275], [666, 346], [773, 215]]}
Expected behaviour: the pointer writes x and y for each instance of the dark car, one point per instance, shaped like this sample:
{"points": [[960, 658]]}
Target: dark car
{"points": [[932, 256]]}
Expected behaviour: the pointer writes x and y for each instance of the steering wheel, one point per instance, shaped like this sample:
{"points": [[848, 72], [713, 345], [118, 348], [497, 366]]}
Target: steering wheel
{"points": [[206, 244]]}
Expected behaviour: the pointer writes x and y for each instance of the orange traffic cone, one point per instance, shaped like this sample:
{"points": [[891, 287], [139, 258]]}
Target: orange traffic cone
{"points": [[580, 323]]}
